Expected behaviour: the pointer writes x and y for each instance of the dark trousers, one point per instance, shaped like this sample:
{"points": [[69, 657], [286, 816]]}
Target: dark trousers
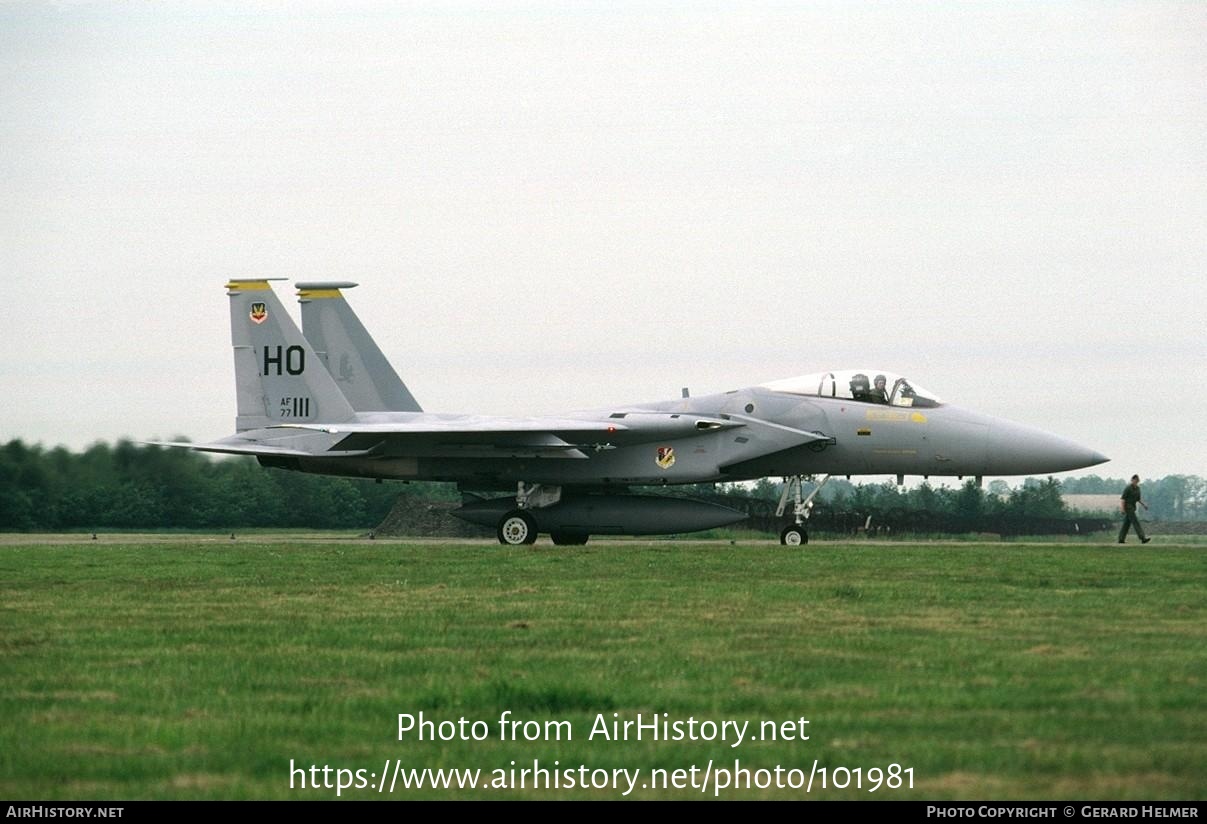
{"points": [[1130, 520]]}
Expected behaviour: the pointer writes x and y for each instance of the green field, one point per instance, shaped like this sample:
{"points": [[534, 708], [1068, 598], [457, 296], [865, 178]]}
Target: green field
{"points": [[187, 667]]}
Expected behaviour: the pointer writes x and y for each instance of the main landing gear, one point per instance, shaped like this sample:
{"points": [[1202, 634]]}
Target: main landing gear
{"points": [[518, 527], [795, 534]]}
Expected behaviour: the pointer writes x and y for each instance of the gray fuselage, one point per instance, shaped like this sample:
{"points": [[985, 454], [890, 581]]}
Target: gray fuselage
{"points": [[765, 440]]}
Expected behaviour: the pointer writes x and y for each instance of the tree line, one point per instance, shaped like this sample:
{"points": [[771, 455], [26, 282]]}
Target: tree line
{"points": [[1172, 498], [133, 486]]}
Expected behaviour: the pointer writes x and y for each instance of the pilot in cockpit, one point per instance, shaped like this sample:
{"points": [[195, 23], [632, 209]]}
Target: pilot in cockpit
{"points": [[878, 393]]}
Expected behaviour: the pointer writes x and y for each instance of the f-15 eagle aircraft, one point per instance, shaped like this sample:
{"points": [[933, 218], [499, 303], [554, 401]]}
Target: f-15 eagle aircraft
{"points": [[329, 402]]}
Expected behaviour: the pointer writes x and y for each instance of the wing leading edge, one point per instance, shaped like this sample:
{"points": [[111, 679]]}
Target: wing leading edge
{"points": [[620, 429]]}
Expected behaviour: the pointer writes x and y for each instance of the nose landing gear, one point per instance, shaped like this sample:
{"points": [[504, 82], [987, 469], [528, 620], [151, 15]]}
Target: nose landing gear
{"points": [[795, 533]]}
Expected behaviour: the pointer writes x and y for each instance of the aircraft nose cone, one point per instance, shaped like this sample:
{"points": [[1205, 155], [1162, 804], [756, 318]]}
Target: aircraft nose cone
{"points": [[1015, 449]]}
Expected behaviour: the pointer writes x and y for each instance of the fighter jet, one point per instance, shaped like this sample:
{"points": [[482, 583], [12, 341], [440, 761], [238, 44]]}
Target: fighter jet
{"points": [[329, 402]]}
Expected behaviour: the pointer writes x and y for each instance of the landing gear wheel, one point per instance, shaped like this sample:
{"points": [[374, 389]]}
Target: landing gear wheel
{"points": [[517, 528], [793, 535], [569, 538]]}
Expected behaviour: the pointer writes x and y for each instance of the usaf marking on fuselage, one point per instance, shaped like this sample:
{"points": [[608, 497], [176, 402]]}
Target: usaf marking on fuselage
{"points": [[329, 402]]}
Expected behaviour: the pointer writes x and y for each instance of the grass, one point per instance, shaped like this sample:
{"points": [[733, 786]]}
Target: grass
{"points": [[199, 667]]}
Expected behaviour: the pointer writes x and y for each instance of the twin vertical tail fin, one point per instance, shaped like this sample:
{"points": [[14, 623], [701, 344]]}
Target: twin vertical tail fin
{"points": [[359, 368], [278, 376]]}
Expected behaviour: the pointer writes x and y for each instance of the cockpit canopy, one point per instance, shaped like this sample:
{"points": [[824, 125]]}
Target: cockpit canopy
{"points": [[861, 385]]}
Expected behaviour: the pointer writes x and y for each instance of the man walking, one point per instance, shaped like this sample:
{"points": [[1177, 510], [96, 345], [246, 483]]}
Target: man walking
{"points": [[1127, 504]]}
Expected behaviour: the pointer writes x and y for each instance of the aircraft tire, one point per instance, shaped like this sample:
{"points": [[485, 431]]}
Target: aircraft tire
{"points": [[517, 528], [793, 535], [569, 538]]}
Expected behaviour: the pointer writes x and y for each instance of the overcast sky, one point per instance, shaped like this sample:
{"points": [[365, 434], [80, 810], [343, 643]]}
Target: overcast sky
{"points": [[563, 206]]}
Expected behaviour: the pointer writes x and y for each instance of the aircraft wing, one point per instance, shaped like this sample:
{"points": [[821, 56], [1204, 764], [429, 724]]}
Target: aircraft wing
{"points": [[430, 431], [248, 448]]}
